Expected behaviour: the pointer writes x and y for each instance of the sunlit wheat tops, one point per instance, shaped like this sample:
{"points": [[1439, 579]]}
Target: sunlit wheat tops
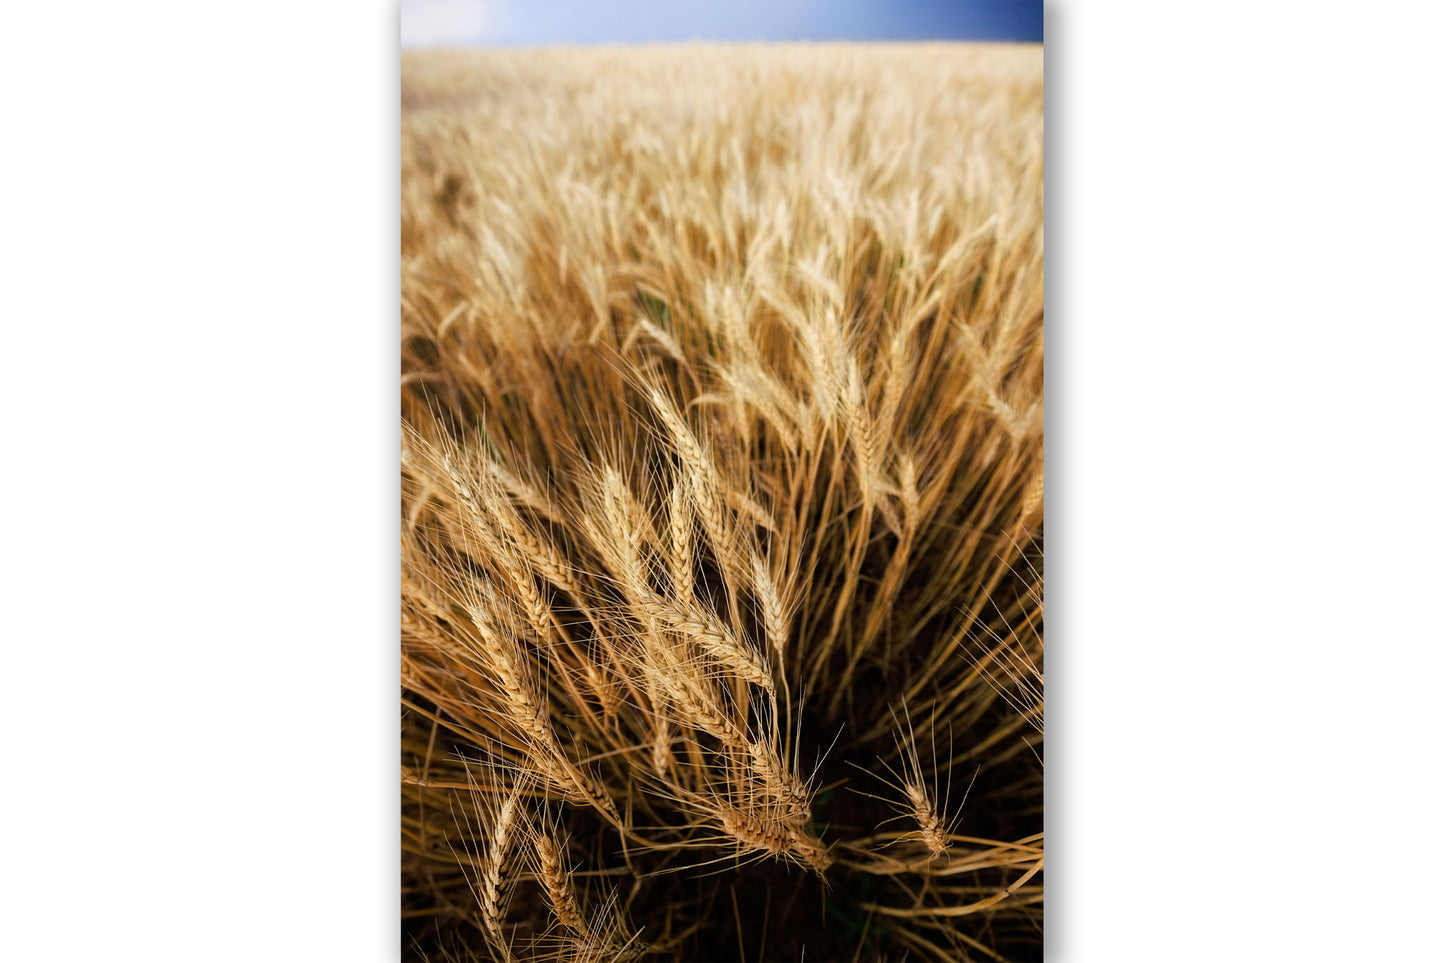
{"points": [[722, 503]]}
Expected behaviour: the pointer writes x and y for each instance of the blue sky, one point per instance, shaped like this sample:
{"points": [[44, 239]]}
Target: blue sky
{"points": [[536, 22]]}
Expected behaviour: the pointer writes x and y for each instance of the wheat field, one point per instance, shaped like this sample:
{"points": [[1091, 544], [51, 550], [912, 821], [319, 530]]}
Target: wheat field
{"points": [[722, 503]]}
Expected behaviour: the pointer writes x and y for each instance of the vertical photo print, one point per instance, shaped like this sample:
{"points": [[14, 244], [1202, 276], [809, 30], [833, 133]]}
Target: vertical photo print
{"points": [[722, 477]]}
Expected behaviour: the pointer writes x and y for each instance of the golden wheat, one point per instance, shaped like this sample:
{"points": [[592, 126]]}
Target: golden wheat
{"points": [[722, 498]]}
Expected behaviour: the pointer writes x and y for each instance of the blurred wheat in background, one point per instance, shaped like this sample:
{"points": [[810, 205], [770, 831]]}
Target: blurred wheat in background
{"points": [[722, 515]]}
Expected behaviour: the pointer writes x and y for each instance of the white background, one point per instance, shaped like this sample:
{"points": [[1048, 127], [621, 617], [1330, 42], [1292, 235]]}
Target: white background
{"points": [[198, 214]]}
